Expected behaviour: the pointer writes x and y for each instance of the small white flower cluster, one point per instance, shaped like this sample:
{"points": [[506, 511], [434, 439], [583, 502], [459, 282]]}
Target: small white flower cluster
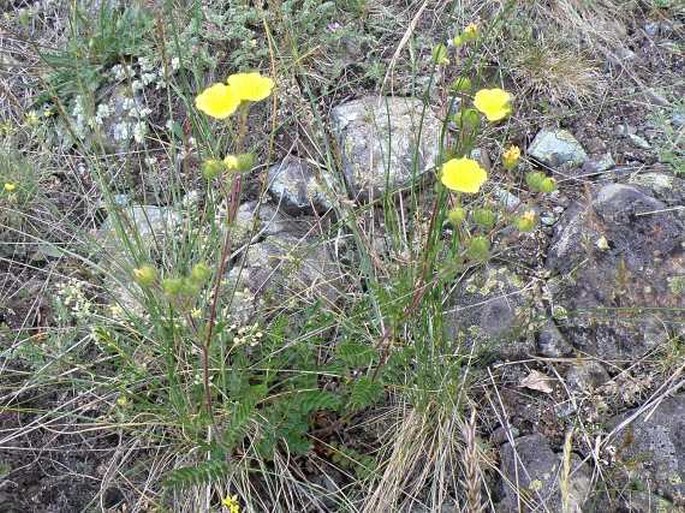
{"points": [[72, 296]]}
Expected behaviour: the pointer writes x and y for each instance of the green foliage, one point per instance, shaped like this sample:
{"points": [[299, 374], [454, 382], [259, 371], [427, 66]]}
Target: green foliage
{"points": [[211, 471]]}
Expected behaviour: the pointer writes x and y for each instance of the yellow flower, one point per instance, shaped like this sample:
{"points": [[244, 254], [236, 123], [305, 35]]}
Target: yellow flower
{"points": [[231, 162], [526, 221], [10, 187], [471, 31], [463, 175], [494, 103], [218, 101], [32, 118], [231, 502], [511, 157], [250, 86]]}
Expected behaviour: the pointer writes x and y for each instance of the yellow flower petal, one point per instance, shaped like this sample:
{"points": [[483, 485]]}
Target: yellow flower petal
{"points": [[463, 175], [494, 103], [231, 162], [251, 86], [218, 101], [511, 157], [9, 187]]}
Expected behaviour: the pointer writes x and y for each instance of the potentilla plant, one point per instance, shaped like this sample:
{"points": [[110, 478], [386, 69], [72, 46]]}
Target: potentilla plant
{"points": [[221, 101]]}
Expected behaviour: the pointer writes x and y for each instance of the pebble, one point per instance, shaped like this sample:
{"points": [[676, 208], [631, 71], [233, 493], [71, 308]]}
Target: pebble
{"points": [[639, 142]]}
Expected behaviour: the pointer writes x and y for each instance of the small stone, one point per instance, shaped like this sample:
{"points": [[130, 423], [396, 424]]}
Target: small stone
{"points": [[548, 220], [557, 147], [294, 184], [652, 28], [599, 164], [551, 343], [624, 130], [586, 376], [678, 119], [639, 142], [657, 98], [505, 198]]}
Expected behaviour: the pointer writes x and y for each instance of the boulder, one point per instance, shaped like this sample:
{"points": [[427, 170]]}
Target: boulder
{"points": [[385, 143], [531, 478], [618, 258], [650, 449]]}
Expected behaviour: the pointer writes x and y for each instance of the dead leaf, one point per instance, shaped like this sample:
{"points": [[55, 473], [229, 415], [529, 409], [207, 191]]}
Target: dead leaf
{"points": [[537, 381]]}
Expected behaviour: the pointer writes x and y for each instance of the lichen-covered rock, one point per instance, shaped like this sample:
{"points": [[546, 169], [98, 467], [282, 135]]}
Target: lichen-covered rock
{"points": [[650, 449], [385, 142], [148, 226], [255, 220], [493, 312], [531, 473], [557, 147], [294, 184], [283, 271], [618, 258], [552, 343]]}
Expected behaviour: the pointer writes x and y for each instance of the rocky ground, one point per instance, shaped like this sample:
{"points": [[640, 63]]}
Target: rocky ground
{"points": [[577, 327]]}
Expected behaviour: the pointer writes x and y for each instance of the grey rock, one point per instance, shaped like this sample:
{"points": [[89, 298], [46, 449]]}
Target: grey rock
{"points": [[656, 98], [255, 220], [548, 219], [150, 224], [639, 142], [493, 312], [651, 448], [557, 147], [125, 112], [532, 469], [599, 164], [283, 271], [678, 119], [385, 143], [624, 129], [293, 183], [506, 199], [586, 376], [652, 28], [666, 187], [552, 343], [617, 299]]}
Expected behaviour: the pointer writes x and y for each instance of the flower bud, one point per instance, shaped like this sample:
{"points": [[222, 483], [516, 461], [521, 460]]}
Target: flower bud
{"points": [[200, 273], [456, 216], [145, 275], [440, 55], [526, 221], [484, 217], [534, 180], [173, 286], [511, 157], [212, 168], [548, 185], [479, 248], [461, 85]]}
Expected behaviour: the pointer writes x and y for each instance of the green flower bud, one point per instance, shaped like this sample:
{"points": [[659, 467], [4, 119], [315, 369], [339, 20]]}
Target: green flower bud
{"points": [[469, 118], [200, 273], [212, 168], [456, 216], [484, 217], [173, 286], [526, 221], [479, 248], [548, 185], [145, 275], [534, 180], [245, 162]]}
